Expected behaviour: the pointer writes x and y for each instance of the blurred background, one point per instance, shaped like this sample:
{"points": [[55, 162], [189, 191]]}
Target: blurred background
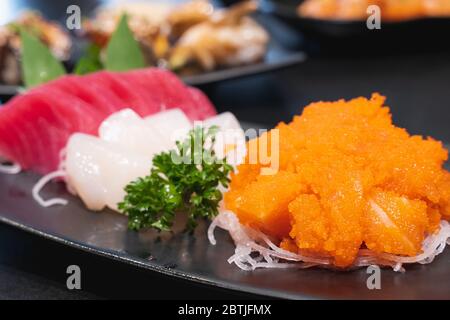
{"points": [[313, 52]]}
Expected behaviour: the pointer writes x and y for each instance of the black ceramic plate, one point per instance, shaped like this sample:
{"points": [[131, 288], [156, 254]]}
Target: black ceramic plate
{"points": [[7, 90], [414, 28], [277, 57], [191, 257]]}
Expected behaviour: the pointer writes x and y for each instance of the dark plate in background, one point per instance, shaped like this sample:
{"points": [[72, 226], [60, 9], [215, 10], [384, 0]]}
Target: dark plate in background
{"points": [[192, 258], [334, 37], [287, 10], [7, 90], [277, 57]]}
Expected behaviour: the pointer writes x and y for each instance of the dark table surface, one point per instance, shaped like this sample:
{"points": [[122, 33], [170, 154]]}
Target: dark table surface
{"points": [[416, 82]]}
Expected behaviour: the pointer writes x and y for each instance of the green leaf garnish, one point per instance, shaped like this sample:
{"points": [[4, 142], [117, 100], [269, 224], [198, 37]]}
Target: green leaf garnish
{"points": [[123, 52], [38, 63], [90, 61], [189, 186]]}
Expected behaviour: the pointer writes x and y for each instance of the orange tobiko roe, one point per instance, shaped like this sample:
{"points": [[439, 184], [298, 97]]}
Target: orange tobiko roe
{"points": [[348, 179]]}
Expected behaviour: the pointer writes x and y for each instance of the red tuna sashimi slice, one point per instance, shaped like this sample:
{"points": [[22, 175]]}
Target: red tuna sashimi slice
{"points": [[7, 149], [123, 90], [18, 137], [53, 116], [146, 79], [162, 90], [173, 91], [72, 113], [204, 108], [9, 146], [20, 142], [90, 92], [177, 95], [145, 89]]}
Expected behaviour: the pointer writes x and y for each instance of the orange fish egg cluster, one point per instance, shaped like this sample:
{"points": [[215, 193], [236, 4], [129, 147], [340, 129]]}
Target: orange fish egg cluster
{"points": [[347, 179]]}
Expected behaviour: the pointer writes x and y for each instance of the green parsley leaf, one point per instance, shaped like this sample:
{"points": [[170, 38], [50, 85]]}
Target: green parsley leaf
{"points": [[189, 185]]}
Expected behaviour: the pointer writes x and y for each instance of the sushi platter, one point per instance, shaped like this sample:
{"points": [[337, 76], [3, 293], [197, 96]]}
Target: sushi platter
{"points": [[121, 156]]}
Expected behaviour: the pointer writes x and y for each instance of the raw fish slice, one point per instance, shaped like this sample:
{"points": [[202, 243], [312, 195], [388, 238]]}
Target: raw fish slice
{"points": [[145, 89], [230, 139], [54, 132], [16, 129], [225, 121], [13, 144], [98, 171], [169, 83], [127, 129], [20, 130], [204, 108], [104, 87], [71, 112], [109, 129], [54, 145], [395, 224], [37, 150], [83, 174], [176, 94], [88, 91], [172, 125], [263, 204], [7, 150], [52, 112], [168, 91], [104, 82], [149, 81], [126, 92], [54, 116]]}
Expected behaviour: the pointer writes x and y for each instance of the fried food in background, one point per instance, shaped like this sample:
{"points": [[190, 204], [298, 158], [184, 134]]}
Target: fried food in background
{"points": [[227, 38], [49, 33], [391, 10], [186, 15], [190, 38]]}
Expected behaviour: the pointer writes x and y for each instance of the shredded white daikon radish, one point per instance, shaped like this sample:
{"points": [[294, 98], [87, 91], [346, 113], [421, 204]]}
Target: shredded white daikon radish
{"points": [[10, 168], [41, 184], [255, 250]]}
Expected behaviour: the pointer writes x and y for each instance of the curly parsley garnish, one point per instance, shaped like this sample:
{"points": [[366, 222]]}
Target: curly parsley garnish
{"points": [[182, 180]]}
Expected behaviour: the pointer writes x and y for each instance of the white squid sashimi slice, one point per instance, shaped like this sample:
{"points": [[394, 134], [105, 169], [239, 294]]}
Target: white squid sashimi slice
{"points": [[172, 124], [230, 140], [225, 121], [98, 170], [127, 129]]}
